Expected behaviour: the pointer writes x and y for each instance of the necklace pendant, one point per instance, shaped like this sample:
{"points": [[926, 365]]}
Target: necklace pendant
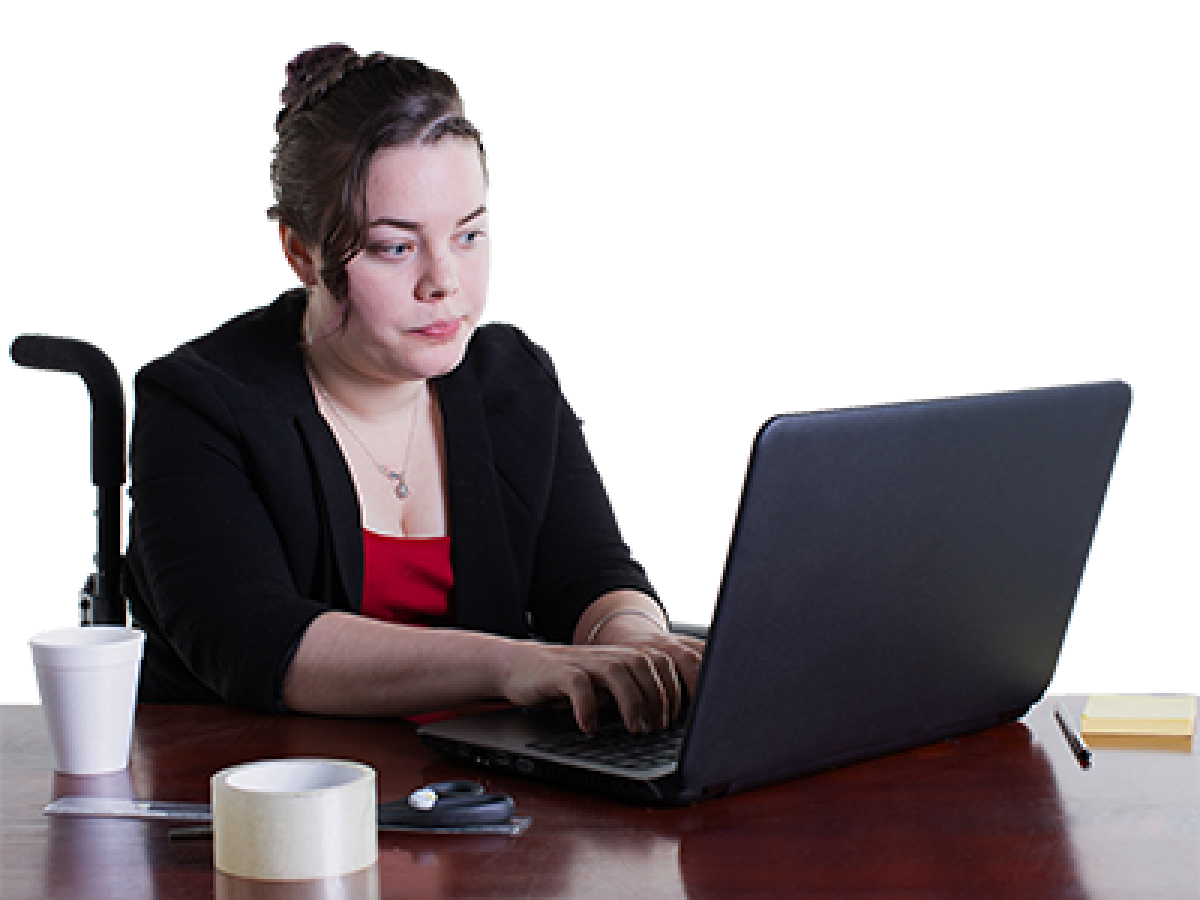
{"points": [[397, 479]]}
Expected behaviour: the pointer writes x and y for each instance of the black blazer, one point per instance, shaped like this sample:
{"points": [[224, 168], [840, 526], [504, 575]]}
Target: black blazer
{"points": [[246, 524]]}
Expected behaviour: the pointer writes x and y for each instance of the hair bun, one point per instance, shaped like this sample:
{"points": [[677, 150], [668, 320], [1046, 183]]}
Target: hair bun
{"points": [[310, 67]]}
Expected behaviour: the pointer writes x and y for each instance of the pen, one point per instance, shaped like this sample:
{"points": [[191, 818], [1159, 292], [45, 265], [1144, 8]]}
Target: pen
{"points": [[1083, 753], [199, 832]]}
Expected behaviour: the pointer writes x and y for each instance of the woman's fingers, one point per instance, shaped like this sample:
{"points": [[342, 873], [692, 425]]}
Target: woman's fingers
{"points": [[643, 682], [639, 681], [612, 678], [578, 689], [685, 653], [650, 688], [669, 688]]}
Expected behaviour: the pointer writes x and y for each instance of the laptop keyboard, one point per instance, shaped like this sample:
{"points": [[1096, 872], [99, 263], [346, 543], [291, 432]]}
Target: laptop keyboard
{"points": [[612, 745]]}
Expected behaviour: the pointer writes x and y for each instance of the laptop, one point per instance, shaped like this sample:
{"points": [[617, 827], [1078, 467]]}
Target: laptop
{"points": [[897, 575]]}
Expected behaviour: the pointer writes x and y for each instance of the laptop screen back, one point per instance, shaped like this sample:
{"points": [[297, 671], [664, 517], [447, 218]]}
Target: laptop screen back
{"points": [[898, 574]]}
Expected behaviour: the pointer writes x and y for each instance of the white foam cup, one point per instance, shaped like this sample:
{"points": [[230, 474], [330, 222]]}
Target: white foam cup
{"points": [[87, 678]]}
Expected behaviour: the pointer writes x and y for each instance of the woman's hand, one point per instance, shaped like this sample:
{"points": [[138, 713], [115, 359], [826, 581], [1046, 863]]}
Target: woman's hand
{"points": [[685, 653], [622, 651], [642, 678], [632, 619]]}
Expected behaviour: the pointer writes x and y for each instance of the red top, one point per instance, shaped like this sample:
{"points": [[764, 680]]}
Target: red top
{"points": [[407, 580]]}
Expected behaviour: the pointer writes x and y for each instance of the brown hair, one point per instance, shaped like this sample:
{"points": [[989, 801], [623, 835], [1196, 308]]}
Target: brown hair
{"points": [[339, 109]]}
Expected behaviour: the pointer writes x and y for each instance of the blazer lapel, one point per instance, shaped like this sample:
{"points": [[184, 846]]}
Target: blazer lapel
{"points": [[283, 370], [486, 592], [339, 505]]}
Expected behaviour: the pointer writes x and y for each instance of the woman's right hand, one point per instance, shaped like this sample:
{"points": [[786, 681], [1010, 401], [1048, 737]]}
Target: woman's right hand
{"points": [[642, 681]]}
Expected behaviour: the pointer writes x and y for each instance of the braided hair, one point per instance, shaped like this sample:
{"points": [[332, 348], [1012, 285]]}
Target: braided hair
{"points": [[339, 109], [311, 74]]}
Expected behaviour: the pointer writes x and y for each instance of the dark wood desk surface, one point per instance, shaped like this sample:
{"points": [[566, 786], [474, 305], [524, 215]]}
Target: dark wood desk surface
{"points": [[1006, 812]]}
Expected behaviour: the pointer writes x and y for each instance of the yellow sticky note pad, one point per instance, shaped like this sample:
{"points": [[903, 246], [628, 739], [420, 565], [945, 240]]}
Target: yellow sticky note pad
{"points": [[1138, 714]]}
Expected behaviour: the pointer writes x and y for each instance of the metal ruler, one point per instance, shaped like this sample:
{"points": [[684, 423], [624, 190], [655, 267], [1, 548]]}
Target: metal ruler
{"points": [[124, 808], [168, 810]]}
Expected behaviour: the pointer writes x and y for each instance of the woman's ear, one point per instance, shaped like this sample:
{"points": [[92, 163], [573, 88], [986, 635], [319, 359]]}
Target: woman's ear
{"points": [[302, 260]]}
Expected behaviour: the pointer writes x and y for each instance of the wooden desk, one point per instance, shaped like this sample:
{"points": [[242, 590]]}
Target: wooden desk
{"points": [[1002, 813]]}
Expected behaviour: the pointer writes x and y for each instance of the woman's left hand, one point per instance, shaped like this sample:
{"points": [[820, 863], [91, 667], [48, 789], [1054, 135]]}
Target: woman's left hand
{"points": [[686, 653]]}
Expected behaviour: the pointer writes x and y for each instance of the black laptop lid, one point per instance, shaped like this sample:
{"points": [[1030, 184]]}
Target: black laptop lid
{"points": [[898, 574]]}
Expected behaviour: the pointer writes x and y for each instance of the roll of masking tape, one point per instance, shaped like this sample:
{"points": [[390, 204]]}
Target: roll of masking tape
{"points": [[294, 819]]}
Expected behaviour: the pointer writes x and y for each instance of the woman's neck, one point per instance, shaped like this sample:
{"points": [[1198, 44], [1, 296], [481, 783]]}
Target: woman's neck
{"points": [[365, 398]]}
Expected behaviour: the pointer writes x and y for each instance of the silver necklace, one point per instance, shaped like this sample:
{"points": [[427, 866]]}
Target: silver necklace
{"points": [[399, 483]]}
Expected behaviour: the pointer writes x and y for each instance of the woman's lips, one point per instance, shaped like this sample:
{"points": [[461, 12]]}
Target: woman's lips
{"points": [[444, 330]]}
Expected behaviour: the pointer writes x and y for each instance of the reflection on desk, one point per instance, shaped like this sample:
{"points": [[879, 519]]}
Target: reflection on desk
{"points": [[1004, 812]]}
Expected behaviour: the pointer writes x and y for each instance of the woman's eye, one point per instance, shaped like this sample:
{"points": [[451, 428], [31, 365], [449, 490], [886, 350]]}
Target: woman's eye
{"points": [[393, 251], [470, 238]]}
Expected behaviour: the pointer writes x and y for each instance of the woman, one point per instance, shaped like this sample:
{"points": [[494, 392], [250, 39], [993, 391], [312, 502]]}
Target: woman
{"points": [[354, 501]]}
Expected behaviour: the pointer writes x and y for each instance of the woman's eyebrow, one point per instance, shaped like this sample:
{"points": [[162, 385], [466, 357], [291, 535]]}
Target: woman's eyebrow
{"points": [[406, 225], [475, 215]]}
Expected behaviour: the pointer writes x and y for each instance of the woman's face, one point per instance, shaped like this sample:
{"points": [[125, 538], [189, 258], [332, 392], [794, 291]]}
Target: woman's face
{"points": [[417, 290]]}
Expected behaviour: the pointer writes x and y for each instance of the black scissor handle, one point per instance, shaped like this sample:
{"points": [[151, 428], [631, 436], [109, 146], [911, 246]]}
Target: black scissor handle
{"points": [[459, 804], [456, 788]]}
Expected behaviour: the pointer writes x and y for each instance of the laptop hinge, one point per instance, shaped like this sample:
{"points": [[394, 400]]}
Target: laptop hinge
{"points": [[712, 791]]}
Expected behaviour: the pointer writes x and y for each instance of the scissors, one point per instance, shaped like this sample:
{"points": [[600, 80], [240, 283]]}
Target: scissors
{"points": [[464, 805], [461, 807]]}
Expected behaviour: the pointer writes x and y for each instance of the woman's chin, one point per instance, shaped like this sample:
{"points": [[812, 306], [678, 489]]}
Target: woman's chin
{"points": [[437, 359]]}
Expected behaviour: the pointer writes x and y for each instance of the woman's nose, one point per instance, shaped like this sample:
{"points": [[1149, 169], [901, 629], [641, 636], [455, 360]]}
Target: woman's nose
{"points": [[440, 279]]}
